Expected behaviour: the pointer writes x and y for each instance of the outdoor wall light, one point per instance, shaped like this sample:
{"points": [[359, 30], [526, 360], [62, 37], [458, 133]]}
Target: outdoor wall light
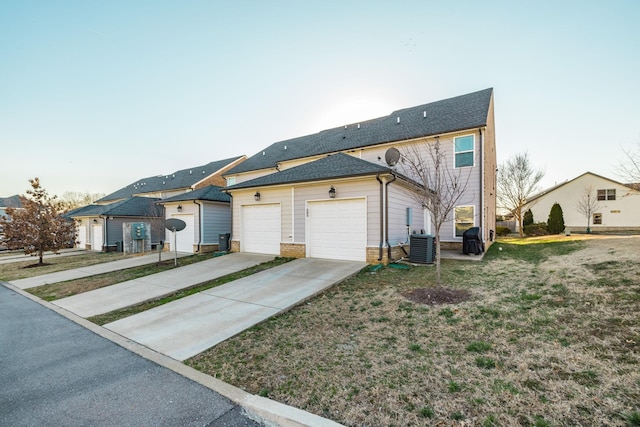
{"points": [[95, 221], [332, 192], [179, 208], [257, 196]]}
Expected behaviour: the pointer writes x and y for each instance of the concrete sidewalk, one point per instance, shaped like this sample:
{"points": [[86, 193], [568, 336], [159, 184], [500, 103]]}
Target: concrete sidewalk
{"points": [[188, 326], [146, 288], [8, 259], [92, 270]]}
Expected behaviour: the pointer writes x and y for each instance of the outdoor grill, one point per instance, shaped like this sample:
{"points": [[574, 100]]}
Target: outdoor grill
{"points": [[471, 241]]}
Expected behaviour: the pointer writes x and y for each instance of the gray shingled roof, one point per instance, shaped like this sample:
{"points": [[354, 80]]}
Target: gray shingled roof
{"points": [[180, 179], [334, 166], [449, 115], [210, 193], [11, 202], [134, 206]]}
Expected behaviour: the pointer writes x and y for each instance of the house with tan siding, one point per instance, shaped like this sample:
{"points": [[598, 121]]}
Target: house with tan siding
{"points": [[334, 194]]}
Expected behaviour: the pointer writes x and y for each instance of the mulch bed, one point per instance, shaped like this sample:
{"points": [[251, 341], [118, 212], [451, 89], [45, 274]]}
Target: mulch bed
{"points": [[438, 295]]}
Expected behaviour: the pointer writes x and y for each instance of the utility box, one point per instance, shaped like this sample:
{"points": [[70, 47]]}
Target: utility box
{"points": [[138, 231], [423, 249]]}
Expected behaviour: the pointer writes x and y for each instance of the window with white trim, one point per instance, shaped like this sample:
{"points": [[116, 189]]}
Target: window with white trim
{"points": [[231, 181], [609, 194], [464, 150], [463, 219], [597, 219]]}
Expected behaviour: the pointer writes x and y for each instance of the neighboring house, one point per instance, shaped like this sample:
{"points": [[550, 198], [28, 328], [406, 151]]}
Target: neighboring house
{"points": [[333, 194], [617, 205], [100, 224], [9, 202], [206, 213], [100, 227], [182, 181]]}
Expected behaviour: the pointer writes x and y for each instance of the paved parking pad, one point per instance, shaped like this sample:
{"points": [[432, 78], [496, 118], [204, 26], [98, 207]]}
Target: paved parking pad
{"points": [[146, 288], [92, 270], [184, 328]]}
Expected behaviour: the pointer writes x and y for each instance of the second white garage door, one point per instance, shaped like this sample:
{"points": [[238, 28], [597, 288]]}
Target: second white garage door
{"points": [[261, 229], [337, 229], [184, 238]]}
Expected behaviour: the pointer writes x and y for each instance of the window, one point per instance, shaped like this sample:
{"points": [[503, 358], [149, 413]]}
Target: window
{"points": [[609, 194], [231, 181], [463, 219], [597, 219], [463, 146]]}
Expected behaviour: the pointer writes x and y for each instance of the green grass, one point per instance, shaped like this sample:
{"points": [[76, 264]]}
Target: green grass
{"points": [[536, 341]]}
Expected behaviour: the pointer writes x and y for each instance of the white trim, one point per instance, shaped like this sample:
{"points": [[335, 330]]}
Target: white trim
{"points": [[472, 135], [454, 218]]}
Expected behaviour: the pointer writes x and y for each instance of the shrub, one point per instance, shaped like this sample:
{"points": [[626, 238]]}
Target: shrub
{"points": [[502, 231], [527, 219], [556, 220], [539, 229]]}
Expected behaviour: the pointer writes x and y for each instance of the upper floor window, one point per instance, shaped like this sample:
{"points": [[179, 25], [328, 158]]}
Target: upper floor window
{"points": [[464, 147], [607, 194], [463, 219], [231, 181]]}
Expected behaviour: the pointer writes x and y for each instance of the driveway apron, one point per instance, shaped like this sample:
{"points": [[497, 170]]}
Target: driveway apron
{"points": [[157, 285], [186, 327]]}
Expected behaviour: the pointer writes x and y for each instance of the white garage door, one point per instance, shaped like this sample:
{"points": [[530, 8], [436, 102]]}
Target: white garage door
{"points": [[96, 245], [261, 229], [185, 238], [337, 229], [81, 238]]}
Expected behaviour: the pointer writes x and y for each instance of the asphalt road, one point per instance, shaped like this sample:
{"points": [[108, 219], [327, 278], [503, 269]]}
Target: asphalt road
{"points": [[55, 372]]}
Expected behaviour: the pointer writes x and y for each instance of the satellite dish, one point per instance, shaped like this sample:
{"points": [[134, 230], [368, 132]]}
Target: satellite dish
{"points": [[392, 156], [175, 224]]}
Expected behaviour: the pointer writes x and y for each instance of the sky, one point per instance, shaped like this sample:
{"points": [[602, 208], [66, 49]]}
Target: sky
{"points": [[95, 95]]}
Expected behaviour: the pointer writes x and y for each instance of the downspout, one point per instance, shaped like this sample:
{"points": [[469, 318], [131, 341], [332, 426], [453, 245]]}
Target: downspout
{"points": [[386, 214], [381, 218], [482, 208], [199, 224]]}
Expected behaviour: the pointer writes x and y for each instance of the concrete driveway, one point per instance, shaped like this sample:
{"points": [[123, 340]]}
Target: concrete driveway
{"points": [[146, 288], [184, 328]]}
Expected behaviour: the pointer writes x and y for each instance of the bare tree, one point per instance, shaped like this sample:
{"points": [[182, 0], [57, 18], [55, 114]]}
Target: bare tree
{"points": [[38, 226], [440, 187], [588, 204], [76, 199], [629, 169], [517, 180]]}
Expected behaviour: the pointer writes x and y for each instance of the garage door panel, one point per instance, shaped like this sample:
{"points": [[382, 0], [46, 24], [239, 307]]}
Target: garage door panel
{"points": [[261, 229], [337, 230], [186, 237]]}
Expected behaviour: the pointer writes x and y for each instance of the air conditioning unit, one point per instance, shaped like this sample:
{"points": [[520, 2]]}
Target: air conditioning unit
{"points": [[423, 249]]}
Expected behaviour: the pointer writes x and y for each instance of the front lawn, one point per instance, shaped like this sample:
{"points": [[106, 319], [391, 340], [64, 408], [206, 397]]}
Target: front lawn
{"points": [[549, 336]]}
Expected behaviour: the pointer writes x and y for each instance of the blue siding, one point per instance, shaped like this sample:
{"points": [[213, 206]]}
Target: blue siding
{"points": [[216, 220]]}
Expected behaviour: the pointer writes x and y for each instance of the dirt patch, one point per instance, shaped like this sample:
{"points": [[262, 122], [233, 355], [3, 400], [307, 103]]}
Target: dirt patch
{"points": [[44, 264], [438, 295]]}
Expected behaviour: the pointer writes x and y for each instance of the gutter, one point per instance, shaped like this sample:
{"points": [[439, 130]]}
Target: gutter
{"points": [[381, 218], [386, 215], [199, 224]]}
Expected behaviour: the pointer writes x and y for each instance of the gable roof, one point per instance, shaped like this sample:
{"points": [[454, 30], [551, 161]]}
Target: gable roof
{"points": [[133, 206], [555, 187], [184, 178], [11, 202], [338, 165], [449, 115], [210, 193]]}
